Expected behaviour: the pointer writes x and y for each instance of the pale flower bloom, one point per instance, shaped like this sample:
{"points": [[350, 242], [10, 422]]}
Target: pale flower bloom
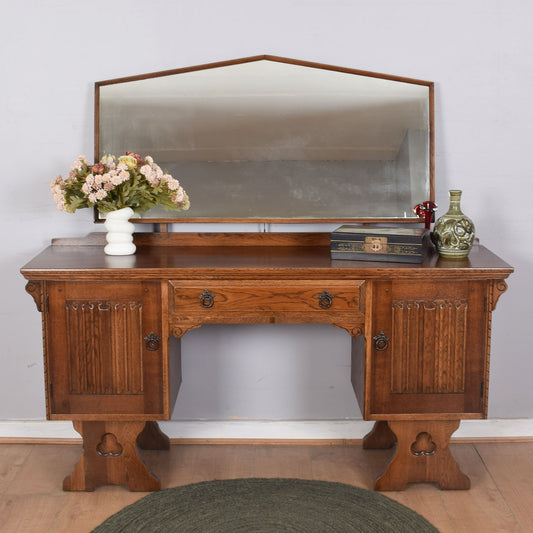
{"points": [[60, 201], [146, 170], [127, 160], [92, 197], [90, 180], [101, 194], [178, 196], [172, 184], [150, 175], [123, 175], [122, 166], [108, 186], [115, 179], [76, 165], [86, 188], [149, 159], [108, 161]]}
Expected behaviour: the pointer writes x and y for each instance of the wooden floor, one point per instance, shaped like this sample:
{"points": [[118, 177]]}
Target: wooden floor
{"points": [[500, 500]]}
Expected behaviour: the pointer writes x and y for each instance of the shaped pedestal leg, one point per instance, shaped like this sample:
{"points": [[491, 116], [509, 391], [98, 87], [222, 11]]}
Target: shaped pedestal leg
{"points": [[423, 455], [152, 438], [110, 457], [380, 438]]}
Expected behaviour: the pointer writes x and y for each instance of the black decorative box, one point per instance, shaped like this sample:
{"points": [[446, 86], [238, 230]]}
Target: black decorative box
{"points": [[360, 243]]}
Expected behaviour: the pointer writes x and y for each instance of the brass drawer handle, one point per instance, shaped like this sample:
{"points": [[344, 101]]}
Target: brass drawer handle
{"points": [[207, 298], [325, 299], [152, 342], [381, 341]]}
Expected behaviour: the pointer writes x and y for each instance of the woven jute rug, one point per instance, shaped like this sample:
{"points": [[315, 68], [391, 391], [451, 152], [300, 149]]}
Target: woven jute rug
{"points": [[266, 505]]}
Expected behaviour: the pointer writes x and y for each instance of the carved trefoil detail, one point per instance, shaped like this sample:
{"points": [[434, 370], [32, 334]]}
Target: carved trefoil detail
{"points": [[105, 347], [428, 346]]}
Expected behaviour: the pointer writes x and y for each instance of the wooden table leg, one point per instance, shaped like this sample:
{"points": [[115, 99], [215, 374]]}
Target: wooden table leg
{"points": [[152, 438], [380, 438], [423, 455], [110, 457]]}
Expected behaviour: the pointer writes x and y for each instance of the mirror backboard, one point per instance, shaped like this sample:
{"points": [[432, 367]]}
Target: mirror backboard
{"points": [[269, 139]]}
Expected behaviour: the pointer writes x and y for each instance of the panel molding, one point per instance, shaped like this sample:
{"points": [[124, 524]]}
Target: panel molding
{"points": [[105, 346], [428, 334]]}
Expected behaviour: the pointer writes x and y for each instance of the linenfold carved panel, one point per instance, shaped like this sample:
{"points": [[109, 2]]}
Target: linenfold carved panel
{"points": [[105, 347], [429, 346]]}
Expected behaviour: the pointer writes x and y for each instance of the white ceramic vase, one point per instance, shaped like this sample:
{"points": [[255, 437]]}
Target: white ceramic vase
{"points": [[119, 232]]}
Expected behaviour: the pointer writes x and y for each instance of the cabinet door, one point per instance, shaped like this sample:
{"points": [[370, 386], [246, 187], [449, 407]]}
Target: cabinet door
{"points": [[429, 351], [104, 351]]}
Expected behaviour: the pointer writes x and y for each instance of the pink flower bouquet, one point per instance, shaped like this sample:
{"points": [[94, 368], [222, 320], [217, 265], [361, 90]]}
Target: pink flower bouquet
{"points": [[111, 185]]}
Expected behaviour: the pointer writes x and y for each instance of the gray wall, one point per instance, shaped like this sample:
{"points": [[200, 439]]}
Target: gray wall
{"points": [[478, 53]]}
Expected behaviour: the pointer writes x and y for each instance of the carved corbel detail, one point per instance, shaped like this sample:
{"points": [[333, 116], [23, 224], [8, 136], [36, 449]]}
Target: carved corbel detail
{"points": [[355, 330], [498, 288], [35, 290], [179, 331]]}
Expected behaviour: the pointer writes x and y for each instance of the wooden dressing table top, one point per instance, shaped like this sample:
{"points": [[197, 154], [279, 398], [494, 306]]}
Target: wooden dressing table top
{"points": [[163, 255]]}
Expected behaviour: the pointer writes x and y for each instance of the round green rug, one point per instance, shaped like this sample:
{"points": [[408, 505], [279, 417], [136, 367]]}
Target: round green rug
{"points": [[266, 505]]}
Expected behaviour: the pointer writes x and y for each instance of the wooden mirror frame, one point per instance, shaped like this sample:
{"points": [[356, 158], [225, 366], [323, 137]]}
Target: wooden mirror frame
{"points": [[203, 219]]}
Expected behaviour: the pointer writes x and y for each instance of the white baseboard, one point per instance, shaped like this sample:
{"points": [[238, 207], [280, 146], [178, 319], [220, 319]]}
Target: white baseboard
{"points": [[263, 429]]}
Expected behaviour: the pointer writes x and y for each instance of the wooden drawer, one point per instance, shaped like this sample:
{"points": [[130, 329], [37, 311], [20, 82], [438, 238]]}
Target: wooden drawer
{"points": [[265, 301]]}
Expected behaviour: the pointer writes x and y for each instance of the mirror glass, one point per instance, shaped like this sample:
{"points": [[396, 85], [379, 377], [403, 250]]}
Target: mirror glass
{"points": [[270, 139]]}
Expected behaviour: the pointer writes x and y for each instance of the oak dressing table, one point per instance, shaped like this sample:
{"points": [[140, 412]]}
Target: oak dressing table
{"points": [[267, 140], [112, 328]]}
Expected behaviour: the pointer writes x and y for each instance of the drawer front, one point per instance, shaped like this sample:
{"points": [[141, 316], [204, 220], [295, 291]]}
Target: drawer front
{"points": [[218, 300]]}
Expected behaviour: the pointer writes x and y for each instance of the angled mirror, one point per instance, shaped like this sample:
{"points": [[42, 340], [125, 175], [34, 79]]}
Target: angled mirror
{"points": [[270, 139]]}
